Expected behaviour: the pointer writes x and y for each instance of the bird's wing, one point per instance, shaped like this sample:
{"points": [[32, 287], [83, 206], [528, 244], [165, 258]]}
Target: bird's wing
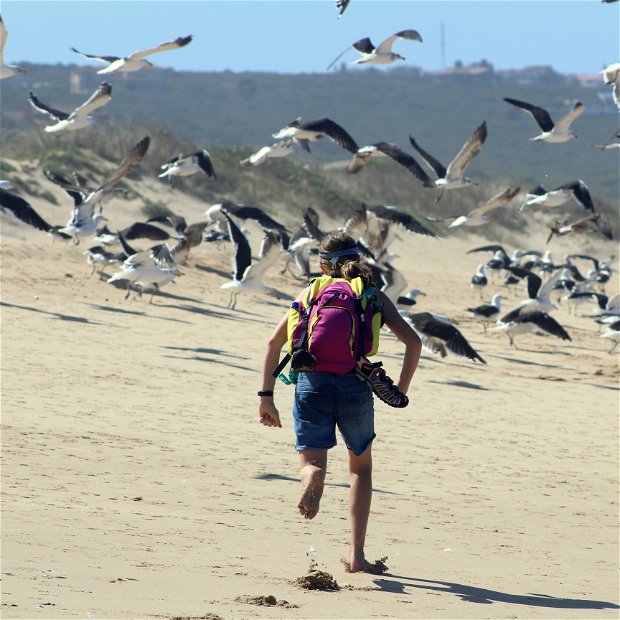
{"points": [[269, 252], [545, 322], [346, 49], [541, 116], [546, 288], [334, 132], [203, 159], [406, 220], [458, 344], [407, 161], [162, 47], [567, 120], [144, 230], [36, 103], [131, 160], [386, 46], [109, 59], [99, 98], [438, 168], [246, 212], [471, 148], [22, 210], [357, 224], [161, 256], [76, 193], [489, 248], [243, 252], [499, 200], [364, 46]]}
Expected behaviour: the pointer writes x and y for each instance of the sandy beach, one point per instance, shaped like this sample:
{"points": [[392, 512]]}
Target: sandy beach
{"points": [[138, 483]]}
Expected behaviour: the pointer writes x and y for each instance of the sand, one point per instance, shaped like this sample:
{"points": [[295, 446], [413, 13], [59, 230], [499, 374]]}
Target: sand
{"points": [[138, 483]]}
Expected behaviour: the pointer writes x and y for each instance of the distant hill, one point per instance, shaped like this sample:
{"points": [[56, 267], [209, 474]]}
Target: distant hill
{"points": [[232, 114]]}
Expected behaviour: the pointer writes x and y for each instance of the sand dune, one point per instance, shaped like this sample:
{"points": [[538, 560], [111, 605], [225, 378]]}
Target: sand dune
{"points": [[137, 481]]}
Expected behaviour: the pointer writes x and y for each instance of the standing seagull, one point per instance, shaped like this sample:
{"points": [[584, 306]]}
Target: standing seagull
{"points": [[552, 132], [479, 279], [80, 117], [487, 313], [135, 61], [380, 55], [315, 130], [6, 70], [186, 165], [453, 177]]}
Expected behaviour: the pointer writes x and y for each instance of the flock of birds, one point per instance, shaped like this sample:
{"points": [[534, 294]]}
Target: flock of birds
{"points": [[374, 228]]}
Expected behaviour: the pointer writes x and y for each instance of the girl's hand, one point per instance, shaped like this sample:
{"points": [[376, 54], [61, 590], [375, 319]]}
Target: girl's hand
{"points": [[268, 414]]}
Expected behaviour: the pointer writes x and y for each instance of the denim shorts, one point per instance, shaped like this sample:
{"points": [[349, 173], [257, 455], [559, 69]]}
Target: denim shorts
{"points": [[324, 400]]}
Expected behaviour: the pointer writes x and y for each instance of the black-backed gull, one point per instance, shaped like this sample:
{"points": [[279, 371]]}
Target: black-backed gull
{"points": [[315, 130], [80, 117], [551, 132], [135, 61]]}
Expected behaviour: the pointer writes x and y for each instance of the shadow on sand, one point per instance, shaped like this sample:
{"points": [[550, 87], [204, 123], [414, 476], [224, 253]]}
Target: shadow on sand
{"points": [[471, 594], [56, 315], [463, 384], [344, 485]]}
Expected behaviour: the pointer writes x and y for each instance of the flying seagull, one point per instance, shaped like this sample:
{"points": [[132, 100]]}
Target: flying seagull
{"points": [[80, 117], [594, 222], [380, 55], [277, 149], [612, 143], [453, 177], [248, 275], [186, 165], [574, 190], [135, 61], [611, 75], [479, 215], [551, 132], [315, 130], [6, 70]]}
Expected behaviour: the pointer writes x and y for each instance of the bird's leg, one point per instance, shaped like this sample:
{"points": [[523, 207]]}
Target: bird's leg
{"points": [[615, 344], [76, 240], [128, 291], [485, 327]]}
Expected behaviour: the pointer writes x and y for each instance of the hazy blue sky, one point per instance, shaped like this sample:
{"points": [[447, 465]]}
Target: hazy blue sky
{"points": [[291, 36]]}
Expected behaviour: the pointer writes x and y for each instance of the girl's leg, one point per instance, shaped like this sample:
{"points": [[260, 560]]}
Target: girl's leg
{"points": [[360, 495], [313, 465]]}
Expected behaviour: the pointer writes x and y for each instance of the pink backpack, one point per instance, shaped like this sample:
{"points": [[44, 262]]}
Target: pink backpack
{"points": [[337, 324]]}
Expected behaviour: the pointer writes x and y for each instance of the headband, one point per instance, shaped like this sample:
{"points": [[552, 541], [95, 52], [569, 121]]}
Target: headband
{"points": [[333, 257]]}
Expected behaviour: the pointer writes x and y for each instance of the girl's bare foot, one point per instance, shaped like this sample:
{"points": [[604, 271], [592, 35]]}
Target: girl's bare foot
{"points": [[358, 563], [309, 501]]}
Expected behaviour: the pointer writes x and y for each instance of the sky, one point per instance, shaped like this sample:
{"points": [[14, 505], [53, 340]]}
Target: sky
{"points": [[304, 36]]}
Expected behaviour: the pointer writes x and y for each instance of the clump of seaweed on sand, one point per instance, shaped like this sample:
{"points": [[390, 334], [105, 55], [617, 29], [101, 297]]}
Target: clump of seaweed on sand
{"points": [[317, 580]]}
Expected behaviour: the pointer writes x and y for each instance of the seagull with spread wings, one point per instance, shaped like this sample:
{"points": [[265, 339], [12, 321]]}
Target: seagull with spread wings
{"points": [[576, 191], [551, 132], [186, 165], [611, 75], [315, 130], [135, 61], [452, 177], [6, 70], [246, 274], [480, 215], [80, 117], [380, 55]]}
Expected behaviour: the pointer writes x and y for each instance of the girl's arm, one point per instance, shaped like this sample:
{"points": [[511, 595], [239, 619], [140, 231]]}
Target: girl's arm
{"points": [[267, 412], [404, 332]]}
